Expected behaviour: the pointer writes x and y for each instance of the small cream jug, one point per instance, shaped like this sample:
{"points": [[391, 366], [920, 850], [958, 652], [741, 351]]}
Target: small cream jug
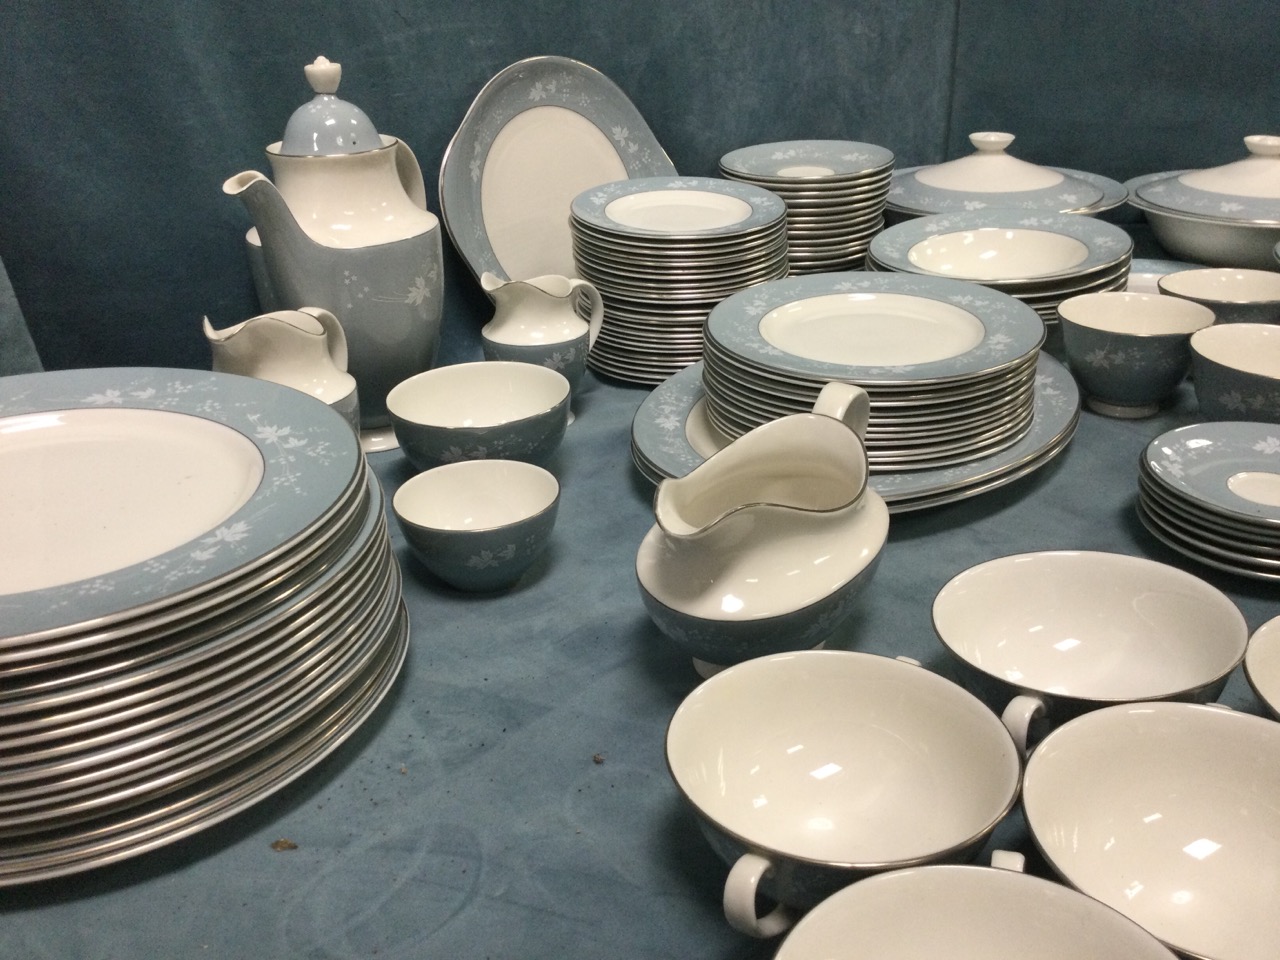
{"points": [[305, 349], [536, 321], [340, 231]]}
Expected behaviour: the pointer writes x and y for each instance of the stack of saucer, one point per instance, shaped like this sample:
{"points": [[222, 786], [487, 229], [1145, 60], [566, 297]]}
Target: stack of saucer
{"points": [[1038, 258], [663, 251], [1211, 491], [835, 192], [201, 602], [950, 367]]}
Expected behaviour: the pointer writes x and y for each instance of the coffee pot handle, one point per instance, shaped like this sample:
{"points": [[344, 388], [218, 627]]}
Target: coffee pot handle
{"points": [[740, 900]]}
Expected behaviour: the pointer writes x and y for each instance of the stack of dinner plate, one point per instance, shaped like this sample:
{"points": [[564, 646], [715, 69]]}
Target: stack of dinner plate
{"points": [[835, 192], [950, 367], [199, 603], [1211, 491], [1039, 258], [663, 251]]}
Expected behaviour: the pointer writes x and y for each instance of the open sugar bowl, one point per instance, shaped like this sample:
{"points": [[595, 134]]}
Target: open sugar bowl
{"points": [[1236, 367], [479, 525]]}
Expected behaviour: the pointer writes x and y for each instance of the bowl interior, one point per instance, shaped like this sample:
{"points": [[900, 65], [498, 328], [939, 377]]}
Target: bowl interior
{"points": [[1262, 663], [1167, 812], [1096, 626], [1224, 285], [1249, 347], [476, 495], [481, 394], [1135, 314], [969, 913], [995, 253], [842, 757]]}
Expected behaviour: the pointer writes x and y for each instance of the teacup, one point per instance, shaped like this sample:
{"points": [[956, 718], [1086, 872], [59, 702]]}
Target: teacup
{"points": [[1129, 351], [475, 411], [1167, 812], [479, 524], [965, 913], [1262, 665], [810, 770], [1069, 631], [1234, 295]]}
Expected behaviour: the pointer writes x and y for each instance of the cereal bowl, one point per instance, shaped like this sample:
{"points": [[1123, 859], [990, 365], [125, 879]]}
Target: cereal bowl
{"points": [[489, 409], [1129, 351], [1063, 632], [1167, 812], [1236, 368], [480, 524], [810, 770]]}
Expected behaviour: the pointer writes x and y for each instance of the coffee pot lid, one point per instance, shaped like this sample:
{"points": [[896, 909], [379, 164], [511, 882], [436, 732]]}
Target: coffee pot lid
{"points": [[326, 125]]}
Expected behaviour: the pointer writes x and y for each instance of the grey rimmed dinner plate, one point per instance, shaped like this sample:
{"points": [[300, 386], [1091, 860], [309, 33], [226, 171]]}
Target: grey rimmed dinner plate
{"points": [[678, 207], [823, 160], [671, 436], [310, 459], [565, 94]]}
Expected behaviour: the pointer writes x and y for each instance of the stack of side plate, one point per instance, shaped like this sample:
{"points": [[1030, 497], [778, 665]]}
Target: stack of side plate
{"points": [[663, 251], [950, 367], [671, 435], [200, 602], [1211, 491], [835, 192], [1039, 258]]}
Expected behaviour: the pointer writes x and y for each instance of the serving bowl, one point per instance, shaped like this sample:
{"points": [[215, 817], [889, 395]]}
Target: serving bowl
{"points": [[1167, 812], [810, 770], [490, 409], [1236, 368], [965, 913], [1069, 631], [478, 524], [1234, 295], [1129, 351]]}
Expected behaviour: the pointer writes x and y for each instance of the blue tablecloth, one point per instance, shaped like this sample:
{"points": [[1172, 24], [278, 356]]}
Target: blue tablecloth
{"points": [[511, 798]]}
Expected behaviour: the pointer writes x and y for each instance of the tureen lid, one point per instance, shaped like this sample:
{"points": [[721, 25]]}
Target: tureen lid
{"points": [[327, 126], [1240, 191], [991, 177]]}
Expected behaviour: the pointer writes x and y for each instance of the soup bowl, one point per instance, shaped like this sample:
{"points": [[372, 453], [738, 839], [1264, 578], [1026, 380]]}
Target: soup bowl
{"points": [[1168, 813], [1068, 631], [810, 770]]}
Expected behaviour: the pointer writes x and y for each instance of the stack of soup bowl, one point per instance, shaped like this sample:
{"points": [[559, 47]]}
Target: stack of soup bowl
{"points": [[1226, 216], [835, 192], [662, 251], [990, 177], [950, 367], [1039, 258], [1211, 491]]}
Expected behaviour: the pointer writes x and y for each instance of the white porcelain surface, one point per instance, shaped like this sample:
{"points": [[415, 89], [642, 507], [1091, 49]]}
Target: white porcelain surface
{"points": [[87, 492], [842, 758], [1234, 295], [478, 394], [1136, 314], [872, 329], [989, 169], [965, 913], [1144, 274], [476, 494], [998, 254], [1251, 347], [678, 211], [1167, 812], [1092, 626], [1262, 664], [1257, 175]]}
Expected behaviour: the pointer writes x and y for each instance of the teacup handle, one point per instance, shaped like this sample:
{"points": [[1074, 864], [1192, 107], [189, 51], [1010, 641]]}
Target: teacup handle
{"points": [[1017, 718], [334, 336], [846, 402], [597, 307], [1010, 860], [740, 900]]}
